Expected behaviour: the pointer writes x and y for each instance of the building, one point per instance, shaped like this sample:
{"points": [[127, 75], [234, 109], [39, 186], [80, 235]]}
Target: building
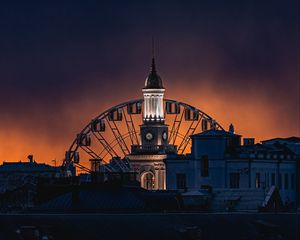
{"points": [[219, 163], [147, 159], [18, 183], [16, 174]]}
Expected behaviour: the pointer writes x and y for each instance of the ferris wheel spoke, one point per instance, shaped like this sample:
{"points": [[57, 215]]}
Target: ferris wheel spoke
{"points": [[175, 127], [106, 146], [90, 152], [131, 129], [186, 139], [113, 144], [116, 132], [118, 164], [83, 167]]}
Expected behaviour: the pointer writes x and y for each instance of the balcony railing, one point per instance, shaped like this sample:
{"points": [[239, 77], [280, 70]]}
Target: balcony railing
{"points": [[153, 149]]}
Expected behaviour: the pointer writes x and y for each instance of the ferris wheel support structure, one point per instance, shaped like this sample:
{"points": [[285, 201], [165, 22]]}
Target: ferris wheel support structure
{"points": [[112, 133]]}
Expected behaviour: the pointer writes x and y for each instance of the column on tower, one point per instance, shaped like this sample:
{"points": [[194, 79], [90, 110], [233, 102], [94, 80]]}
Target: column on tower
{"points": [[153, 96]]}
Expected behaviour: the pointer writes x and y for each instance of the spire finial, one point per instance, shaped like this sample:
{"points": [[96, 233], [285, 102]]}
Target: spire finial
{"points": [[153, 59], [152, 47]]}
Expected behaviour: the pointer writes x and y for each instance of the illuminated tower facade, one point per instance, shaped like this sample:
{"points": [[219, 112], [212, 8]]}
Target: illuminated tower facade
{"points": [[147, 159], [154, 132], [153, 97]]}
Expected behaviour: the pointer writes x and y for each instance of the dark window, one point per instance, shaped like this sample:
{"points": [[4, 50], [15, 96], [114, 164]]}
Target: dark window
{"points": [[293, 181], [204, 166], [267, 180], [181, 181], [257, 180], [273, 179], [234, 179], [286, 181], [279, 181]]}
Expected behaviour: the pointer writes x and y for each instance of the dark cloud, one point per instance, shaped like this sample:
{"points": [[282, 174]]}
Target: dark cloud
{"points": [[57, 58]]}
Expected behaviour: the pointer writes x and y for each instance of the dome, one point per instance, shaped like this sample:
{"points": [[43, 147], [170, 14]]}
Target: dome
{"points": [[153, 80]]}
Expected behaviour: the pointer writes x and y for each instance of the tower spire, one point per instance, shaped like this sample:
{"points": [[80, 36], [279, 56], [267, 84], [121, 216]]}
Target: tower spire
{"points": [[153, 80], [153, 68], [152, 47]]}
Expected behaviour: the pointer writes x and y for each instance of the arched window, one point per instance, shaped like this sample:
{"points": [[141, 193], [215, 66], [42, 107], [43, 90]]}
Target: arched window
{"points": [[147, 180]]}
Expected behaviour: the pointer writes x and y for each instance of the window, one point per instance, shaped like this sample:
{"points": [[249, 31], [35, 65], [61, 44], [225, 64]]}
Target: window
{"points": [[204, 166], [234, 180], [257, 180], [181, 181], [279, 181], [148, 181], [273, 179], [286, 181], [293, 181], [267, 181]]}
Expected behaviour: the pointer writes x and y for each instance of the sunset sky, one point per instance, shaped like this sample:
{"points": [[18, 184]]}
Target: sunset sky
{"points": [[64, 62]]}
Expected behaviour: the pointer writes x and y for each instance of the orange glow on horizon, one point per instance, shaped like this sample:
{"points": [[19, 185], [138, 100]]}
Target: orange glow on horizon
{"points": [[252, 114]]}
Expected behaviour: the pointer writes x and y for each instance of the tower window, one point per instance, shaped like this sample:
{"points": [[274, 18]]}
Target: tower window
{"points": [[204, 166], [234, 180], [181, 181]]}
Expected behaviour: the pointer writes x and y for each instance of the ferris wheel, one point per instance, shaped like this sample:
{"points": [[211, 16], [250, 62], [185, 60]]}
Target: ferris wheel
{"points": [[110, 136]]}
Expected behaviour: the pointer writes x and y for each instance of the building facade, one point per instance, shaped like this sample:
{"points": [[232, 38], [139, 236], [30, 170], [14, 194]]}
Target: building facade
{"points": [[219, 161]]}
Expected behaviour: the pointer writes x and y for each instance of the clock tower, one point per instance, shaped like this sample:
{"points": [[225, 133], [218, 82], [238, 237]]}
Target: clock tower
{"points": [[147, 159], [154, 132]]}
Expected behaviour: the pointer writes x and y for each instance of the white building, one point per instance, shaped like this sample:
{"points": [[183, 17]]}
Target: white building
{"points": [[218, 161]]}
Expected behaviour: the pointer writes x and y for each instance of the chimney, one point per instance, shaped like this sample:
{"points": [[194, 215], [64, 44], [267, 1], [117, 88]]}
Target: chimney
{"points": [[30, 158]]}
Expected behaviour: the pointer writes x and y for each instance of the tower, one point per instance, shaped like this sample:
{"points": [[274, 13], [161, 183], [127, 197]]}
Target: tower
{"points": [[154, 132], [147, 159]]}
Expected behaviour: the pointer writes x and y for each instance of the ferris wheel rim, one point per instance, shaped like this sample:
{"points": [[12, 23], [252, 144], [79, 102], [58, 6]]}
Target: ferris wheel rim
{"points": [[105, 113]]}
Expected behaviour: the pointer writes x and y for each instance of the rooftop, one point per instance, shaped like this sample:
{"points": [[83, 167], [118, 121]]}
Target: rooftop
{"points": [[26, 167], [292, 139], [215, 132]]}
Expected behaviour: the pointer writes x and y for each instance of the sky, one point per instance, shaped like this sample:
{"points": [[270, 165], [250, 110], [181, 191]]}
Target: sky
{"points": [[64, 62]]}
